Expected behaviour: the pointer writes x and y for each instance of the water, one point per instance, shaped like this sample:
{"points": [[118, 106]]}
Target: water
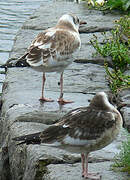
{"points": [[12, 15]]}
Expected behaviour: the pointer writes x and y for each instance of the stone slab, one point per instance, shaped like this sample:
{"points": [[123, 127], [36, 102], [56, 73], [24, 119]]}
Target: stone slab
{"points": [[44, 162], [22, 113], [43, 19], [73, 172]]}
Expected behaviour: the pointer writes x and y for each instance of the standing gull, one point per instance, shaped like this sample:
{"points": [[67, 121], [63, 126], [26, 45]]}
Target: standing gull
{"points": [[82, 130], [52, 50]]}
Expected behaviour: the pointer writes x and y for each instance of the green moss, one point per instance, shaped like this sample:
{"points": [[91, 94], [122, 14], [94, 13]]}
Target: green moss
{"points": [[41, 168]]}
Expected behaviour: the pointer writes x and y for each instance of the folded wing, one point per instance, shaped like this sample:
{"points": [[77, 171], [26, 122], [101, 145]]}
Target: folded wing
{"points": [[51, 43]]}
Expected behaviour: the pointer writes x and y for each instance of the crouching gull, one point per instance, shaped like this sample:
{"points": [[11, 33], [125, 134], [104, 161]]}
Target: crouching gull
{"points": [[82, 130]]}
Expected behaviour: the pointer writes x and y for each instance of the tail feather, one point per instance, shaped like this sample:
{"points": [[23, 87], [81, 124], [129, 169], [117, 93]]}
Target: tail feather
{"points": [[23, 57], [14, 62], [29, 139], [21, 62]]}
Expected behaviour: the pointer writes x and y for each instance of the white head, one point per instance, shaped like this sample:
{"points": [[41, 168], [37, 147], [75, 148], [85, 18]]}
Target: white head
{"points": [[101, 101], [70, 19]]}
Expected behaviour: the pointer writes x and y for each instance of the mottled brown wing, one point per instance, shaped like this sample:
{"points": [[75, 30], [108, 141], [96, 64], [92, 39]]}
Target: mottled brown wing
{"points": [[53, 134], [90, 122], [35, 51], [64, 42], [51, 44]]}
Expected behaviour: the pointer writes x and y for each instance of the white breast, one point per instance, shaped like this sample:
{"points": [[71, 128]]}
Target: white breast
{"points": [[76, 141]]}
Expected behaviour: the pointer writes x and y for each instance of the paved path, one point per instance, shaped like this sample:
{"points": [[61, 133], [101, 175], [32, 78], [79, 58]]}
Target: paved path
{"points": [[23, 114]]}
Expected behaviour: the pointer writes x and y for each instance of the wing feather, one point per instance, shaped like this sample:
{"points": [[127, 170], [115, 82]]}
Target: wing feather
{"points": [[92, 123], [51, 43], [82, 123]]}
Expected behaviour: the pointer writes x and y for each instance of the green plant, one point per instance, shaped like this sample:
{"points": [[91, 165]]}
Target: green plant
{"points": [[122, 160], [116, 46], [112, 47], [118, 4], [124, 23], [117, 80], [123, 5]]}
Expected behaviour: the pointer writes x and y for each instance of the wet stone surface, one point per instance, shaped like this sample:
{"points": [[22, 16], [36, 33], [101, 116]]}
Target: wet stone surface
{"points": [[22, 113], [73, 171]]}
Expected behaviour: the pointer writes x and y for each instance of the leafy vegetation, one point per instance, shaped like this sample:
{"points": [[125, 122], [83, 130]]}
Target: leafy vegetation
{"points": [[123, 5], [118, 4], [117, 80], [122, 160], [113, 48], [116, 47]]}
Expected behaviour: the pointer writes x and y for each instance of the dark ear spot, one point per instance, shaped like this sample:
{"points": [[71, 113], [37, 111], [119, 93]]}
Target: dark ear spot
{"points": [[76, 20]]}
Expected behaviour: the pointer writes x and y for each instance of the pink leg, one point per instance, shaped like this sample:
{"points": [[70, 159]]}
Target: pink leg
{"points": [[85, 173], [61, 100], [83, 163], [43, 99]]}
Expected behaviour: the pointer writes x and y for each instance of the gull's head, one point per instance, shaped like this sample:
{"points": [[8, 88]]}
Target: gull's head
{"points": [[101, 101], [69, 20]]}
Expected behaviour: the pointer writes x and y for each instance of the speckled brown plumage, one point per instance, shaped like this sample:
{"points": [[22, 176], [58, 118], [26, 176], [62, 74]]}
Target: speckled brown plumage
{"points": [[52, 50], [62, 42], [82, 130]]}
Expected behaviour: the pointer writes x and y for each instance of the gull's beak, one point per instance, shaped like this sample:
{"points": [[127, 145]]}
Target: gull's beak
{"points": [[82, 22]]}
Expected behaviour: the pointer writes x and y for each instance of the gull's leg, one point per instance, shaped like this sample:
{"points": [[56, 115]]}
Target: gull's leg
{"points": [[61, 100], [87, 175], [83, 163], [43, 99]]}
